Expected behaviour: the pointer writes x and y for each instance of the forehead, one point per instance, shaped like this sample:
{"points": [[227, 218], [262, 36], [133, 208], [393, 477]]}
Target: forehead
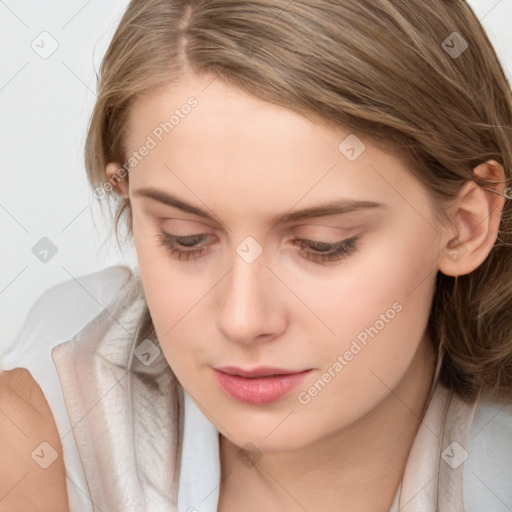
{"points": [[218, 110], [226, 143]]}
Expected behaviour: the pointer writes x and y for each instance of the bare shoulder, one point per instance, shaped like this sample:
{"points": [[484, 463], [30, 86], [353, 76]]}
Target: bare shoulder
{"points": [[32, 472]]}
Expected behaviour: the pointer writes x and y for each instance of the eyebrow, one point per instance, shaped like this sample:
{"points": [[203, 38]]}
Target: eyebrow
{"points": [[336, 207]]}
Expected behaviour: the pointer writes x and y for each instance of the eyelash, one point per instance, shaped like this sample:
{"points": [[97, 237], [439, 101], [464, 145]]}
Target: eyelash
{"points": [[339, 250]]}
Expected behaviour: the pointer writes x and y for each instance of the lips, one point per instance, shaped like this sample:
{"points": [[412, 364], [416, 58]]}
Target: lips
{"points": [[261, 371], [258, 386]]}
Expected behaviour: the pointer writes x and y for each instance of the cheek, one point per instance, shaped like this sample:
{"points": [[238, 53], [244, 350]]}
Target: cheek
{"points": [[390, 267], [173, 297], [378, 307], [159, 282]]}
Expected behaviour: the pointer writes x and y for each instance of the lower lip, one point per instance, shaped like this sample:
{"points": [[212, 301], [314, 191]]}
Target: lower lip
{"points": [[260, 390]]}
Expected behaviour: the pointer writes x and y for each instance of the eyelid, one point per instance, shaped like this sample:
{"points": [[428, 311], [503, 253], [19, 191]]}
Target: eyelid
{"points": [[336, 251], [188, 223], [322, 242], [196, 236], [313, 240]]}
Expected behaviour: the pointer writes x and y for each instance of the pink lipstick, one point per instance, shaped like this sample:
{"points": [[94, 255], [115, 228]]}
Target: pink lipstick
{"points": [[260, 385]]}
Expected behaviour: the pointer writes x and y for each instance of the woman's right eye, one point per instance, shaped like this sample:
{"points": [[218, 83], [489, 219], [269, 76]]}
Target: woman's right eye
{"points": [[171, 241]]}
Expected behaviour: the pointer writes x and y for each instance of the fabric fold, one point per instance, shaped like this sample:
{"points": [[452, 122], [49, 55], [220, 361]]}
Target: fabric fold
{"points": [[124, 412]]}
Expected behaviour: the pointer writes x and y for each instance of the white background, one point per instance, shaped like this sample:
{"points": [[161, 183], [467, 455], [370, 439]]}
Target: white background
{"points": [[45, 106]]}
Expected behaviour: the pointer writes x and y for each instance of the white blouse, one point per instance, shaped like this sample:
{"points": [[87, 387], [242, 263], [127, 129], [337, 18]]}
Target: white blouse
{"points": [[134, 441]]}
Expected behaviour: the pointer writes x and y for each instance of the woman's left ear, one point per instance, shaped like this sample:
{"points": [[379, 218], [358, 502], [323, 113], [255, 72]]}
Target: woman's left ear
{"points": [[475, 218]]}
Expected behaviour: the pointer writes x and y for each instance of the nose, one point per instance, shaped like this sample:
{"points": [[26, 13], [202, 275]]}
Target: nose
{"points": [[250, 305]]}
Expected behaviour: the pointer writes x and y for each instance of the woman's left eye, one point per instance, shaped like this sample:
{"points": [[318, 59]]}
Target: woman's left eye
{"points": [[319, 252]]}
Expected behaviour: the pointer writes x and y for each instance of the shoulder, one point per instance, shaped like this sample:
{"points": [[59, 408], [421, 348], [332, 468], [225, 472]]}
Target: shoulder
{"points": [[21, 398], [64, 309], [488, 468], [31, 394], [32, 470]]}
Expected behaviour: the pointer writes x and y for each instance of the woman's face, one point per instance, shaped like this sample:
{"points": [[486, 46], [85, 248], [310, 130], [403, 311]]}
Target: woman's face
{"points": [[255, 284]]}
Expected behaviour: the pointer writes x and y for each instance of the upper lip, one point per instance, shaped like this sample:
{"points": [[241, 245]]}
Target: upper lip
{"points": [[260, 371]]}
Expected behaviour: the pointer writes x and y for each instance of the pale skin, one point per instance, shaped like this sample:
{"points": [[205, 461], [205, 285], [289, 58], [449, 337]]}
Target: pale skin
{"points": [[247, 162]]}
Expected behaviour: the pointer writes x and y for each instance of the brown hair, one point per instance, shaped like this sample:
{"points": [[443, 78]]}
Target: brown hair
{"points": [[394, 72]]}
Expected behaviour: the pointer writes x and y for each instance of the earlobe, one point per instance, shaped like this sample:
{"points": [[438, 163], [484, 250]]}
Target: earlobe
{"points": [[475, 219], [116, 175]]}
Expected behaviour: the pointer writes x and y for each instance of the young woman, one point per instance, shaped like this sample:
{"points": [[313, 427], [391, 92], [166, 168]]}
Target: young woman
{"points": [[321, 317]]}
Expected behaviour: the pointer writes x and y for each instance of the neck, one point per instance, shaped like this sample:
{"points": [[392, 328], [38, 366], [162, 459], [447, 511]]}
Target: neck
{"points": [[359, 467]]}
